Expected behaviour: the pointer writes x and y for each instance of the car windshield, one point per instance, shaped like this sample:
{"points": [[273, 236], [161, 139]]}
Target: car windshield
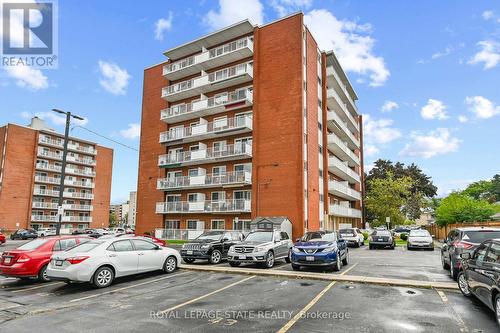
{"points": [[85, 247], [260, 236], [34, 244], [212, 235], [346, 231], [419, 233], [318, 236], [478, 236]]}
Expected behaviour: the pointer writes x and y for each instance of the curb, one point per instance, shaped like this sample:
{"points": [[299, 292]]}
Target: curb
{"points": [[326, 277]]}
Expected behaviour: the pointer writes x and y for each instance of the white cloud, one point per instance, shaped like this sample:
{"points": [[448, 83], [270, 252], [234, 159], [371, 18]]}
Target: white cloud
{"points": [[285, 7], [377, 132], [351, 44], [434, 143], [132, 132], [28, 77], [163, 25], [54, 118], [482, 107], [389, 106], [434, 109], [463, 119], [231, 11], [370, 150], [444, 53], [487, 14], [114, 79], [489, 54]]}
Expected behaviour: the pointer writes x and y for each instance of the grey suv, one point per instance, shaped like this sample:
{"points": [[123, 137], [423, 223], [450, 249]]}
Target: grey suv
{"points": [[261, 246]]}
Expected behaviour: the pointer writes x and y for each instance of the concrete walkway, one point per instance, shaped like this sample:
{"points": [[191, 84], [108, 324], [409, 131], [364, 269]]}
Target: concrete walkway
{"points": [[324, 277]]}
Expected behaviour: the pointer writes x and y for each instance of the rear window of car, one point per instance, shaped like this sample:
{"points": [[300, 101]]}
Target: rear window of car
{"points": [[478, 236], [34, 244], [85, 247], [346, 231], [419, 233], [381, 233]]}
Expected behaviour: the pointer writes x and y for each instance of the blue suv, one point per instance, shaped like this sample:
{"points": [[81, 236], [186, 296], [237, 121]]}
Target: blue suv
{"points": [[320, 249]]}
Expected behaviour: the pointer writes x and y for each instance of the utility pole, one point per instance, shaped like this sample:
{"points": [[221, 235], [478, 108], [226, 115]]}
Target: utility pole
{"points": [[60, 210]]}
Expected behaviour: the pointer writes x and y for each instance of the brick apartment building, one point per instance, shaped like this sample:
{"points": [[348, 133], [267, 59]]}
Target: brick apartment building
{"points": [[30, 166], [249, 121]]}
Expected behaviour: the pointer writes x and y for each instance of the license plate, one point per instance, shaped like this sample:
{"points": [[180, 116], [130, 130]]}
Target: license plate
{"points": [[189, 252], [59, 262], [380, 239], [242, 257], [6, 260], [309, 258]]}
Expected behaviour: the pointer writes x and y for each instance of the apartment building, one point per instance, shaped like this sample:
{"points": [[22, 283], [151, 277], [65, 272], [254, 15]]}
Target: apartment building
{"points": [[132, 209], [249, 121], [30, 173]]}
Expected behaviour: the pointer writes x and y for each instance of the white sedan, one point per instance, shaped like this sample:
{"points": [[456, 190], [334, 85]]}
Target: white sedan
{"points": [[101, 261]]}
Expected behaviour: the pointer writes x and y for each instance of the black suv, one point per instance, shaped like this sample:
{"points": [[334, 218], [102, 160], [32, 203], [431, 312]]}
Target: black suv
{"points": [[211, 246], [24, 234]]}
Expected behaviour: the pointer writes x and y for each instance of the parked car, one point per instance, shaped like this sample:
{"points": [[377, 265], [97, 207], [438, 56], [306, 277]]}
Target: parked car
{"points": [[211, 245], [480, 275], [398, 231], [117, 231], [320, 248], [31, 259], [381, 239], [419, 239], [24, 234], [353, 236], [42, 232], [155, 240], [261, 246], [461, 240], [101, 261], [2, 239]]}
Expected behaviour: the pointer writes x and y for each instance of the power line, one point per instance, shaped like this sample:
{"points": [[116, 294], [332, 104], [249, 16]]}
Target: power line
{"points": [[105, 137]]}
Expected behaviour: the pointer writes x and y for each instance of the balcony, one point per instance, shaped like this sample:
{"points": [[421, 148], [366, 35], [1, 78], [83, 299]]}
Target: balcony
{"points": [[209, 106], [209, 155], [341, 189], [78, 207], [340, 210], [59, 156], [59, 143], [57, 181], [339, 127], [202, 131], [228, 179], [340, 169], [215, 57], [333, 78], [207, 206], [80, 160], [334, 102], [50, 154], [44, 205], [74, 195], [219, 79], [44, 218], [69, 169], [341, 149], [81, 219]]}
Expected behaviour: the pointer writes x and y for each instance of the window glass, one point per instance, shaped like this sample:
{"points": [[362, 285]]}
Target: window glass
{"points": [[141, 245], [33, 244], [493, 255], [481, 252], [122, 246], [284, 235], [67, 243]]}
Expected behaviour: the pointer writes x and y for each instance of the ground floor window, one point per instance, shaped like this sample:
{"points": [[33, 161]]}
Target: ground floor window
{"points": [[241, 224], [172, 224], [195, 224], [218, 224]]}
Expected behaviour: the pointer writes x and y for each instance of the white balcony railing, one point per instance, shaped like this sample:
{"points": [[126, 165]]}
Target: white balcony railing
{"points": [[330, 71], [44, 205], [78, 207], [341, 148], [44, 218], [83, 219], [208, 206], [341, 189], [340, 169], [57, 181], [340, 210], [48, 180], [331, 93], [223, 126], [342, 127], [75, 195], [49, 154], [228, 152], [211, 180], [79, 159], [53, 205], [71, 146], [69, 169], [212, 105]]}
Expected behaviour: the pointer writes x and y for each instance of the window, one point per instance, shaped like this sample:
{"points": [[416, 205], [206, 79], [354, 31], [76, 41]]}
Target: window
{"points": [[219, 146], [218, 196], [121, 246], [493, 255], [192, 172], [141, 245], [219, 170], [320, 149], [192, 197], [64, 244], [247, 195], [481, 252], [172, 224], [192, 224], [218, 224], [284, 235], [241, 224]]}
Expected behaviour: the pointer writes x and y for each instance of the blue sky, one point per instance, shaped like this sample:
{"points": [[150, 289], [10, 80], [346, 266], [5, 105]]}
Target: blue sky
{"points": [[434, 65]]}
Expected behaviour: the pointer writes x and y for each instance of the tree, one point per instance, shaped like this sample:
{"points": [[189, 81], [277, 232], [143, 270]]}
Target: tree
{"points": [[485, 189], [458, 207], [112, 219], [386, 197]]}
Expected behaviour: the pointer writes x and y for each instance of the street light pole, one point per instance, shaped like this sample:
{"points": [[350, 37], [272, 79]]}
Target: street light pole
{"points": [[60, 210]]}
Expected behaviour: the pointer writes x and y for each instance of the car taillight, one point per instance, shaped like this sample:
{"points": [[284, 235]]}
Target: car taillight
{"points": [[463, 245], [23, 258], [76, 260]]}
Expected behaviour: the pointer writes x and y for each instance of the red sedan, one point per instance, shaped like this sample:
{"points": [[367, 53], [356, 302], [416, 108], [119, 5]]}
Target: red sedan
{"points": [[31, 259], [155, 240], [2, 238]]}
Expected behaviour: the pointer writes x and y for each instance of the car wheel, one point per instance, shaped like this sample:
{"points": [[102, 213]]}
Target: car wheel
{"points": [[170, 265], [463, 285], [234, 264], [215, 257], [337, 265], [345, 261], [497, 308], [188, 260], [443, 262], [103, 277], [42, 274], [287, 259], [453, 270], [269, 259], [296, 267], [42, 235]]}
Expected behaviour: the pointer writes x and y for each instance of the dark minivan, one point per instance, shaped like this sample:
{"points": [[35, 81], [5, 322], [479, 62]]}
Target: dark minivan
{"points": [[461, 240]]}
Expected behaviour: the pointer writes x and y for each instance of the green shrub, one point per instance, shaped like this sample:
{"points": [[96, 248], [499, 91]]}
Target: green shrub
{"points": [[365, 234], [404, 237]]}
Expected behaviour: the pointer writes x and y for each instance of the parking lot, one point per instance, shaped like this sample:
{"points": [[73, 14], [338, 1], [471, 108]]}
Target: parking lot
{"points": [[216, 302]]}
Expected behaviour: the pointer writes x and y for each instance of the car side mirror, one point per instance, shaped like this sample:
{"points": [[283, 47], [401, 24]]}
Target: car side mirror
{"points": [[465, 255]]}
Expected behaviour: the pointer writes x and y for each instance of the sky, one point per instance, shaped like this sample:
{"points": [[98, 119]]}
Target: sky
{"points": [[427, 74]]}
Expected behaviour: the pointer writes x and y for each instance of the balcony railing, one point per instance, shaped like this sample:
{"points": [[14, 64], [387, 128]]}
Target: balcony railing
{"points": [[234, 151], [339, 210], [78, 207], [49, 180], [341, 149], [340, 169], [44, 218], [69, 170], [53, 205], [228, 178], [212, 105], [342, 128], [57, 181], [342, 190], [75, 195], [343, 106], [208, 206], [44, 205], [83, 219], [204, 131], [330, 71], [49, 154], [79, 159], [71, 146]]}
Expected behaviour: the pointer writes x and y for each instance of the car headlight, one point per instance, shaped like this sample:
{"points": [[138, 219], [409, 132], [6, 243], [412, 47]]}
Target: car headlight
{"points": [[231, 248], [205, 246], [329, 249], [259, 249], [295, 250]]}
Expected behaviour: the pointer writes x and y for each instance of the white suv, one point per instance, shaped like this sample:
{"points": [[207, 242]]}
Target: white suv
{"points": [[353, 236], [42, 232]]}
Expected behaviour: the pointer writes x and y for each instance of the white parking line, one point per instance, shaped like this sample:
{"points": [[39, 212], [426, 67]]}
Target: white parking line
{"points": [[36, 287], [127, 287], [451, 310]]}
